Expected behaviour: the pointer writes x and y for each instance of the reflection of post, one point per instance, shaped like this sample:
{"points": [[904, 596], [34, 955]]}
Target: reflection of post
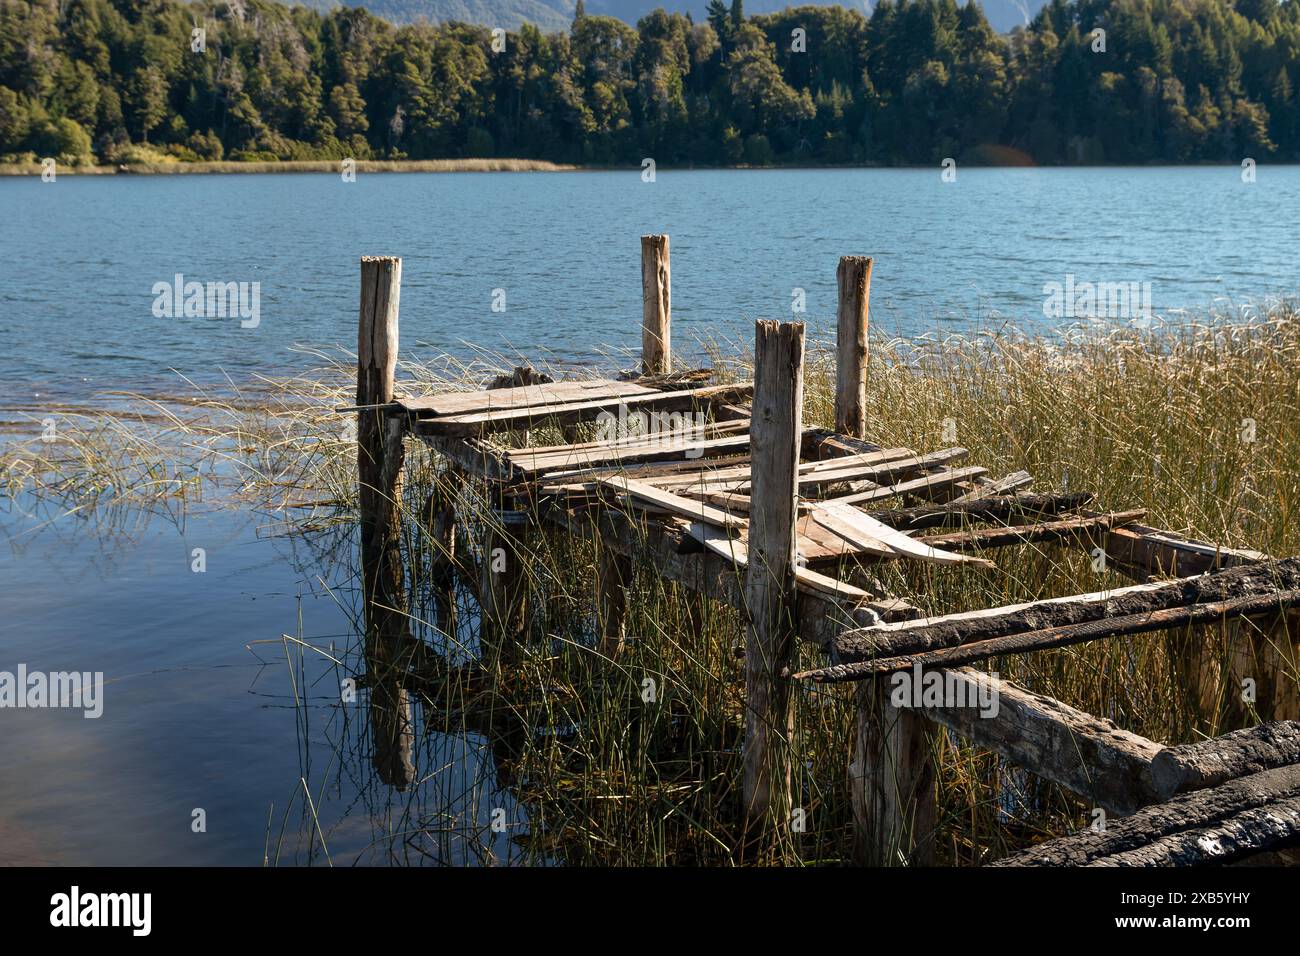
{"points": [[769, 585], [379, 469]]}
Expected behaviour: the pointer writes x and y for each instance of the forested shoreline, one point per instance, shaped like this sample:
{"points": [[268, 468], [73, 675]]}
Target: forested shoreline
{"points": [[121, 81]]}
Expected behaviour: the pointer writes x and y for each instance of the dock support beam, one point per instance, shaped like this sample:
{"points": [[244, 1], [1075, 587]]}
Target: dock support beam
{"points": [[770, 596], [891, 781], [656, 315], [854, 279], [380, 457], [613, 578]]}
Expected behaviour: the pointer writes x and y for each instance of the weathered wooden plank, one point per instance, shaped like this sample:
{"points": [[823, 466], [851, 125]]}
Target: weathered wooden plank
{"points": [[996, 508], [1001, 486], [1218, 825], [708, 430], [498, 399], [674, 504], [671, 447], [1208, 763], [870, 536], [476, 423], [1141, 551], [1063, 636], [925, 486], [807, 581], [1032, 533]]}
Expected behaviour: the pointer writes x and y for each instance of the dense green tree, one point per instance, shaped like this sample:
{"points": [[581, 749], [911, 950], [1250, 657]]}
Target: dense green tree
{"points": [[916, 81]]}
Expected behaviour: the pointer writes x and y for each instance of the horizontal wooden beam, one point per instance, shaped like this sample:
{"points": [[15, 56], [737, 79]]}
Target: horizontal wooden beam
{"points": [[1087, 755], [1142, 623], [1208, 763], [952, 630]]}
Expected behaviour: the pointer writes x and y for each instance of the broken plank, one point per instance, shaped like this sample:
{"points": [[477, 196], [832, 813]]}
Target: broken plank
{"points": [[924, 486], [1001, 486], [873, 537], [669, 448], [674, 504], [996, 508], [1032, 533]]}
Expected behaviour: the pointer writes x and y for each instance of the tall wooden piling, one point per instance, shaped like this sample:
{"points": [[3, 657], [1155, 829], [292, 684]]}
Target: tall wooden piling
{"points": [[770, 596], [380, 457], [854, 279], [613, 577], [656, 310]]}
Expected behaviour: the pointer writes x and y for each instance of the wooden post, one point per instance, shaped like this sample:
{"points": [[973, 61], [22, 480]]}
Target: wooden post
{"points": [[854, 279], [770, 597], [380, 457], [891, 781], [613, 577], [656, 314]]}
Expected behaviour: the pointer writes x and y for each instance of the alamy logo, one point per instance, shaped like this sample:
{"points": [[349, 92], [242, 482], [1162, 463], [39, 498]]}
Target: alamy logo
{"points": [[943, 688], [74, 908], [1099, 300], [211, 300], [63, 689]]}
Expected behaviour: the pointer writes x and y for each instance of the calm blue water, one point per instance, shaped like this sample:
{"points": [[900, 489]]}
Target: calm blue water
{"points": [[207, 706], [84, 254]]}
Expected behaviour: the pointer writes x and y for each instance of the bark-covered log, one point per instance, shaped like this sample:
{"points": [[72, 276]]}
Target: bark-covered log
{"points": [[1208, 763], [953, 630], [1240, 817]]}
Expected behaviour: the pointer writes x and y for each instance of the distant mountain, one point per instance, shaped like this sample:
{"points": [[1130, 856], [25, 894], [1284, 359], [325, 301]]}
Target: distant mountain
{"points": [[552, 15]]}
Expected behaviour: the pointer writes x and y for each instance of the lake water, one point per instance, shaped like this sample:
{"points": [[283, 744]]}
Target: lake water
{"points": [[208, 706], [84, 254]]}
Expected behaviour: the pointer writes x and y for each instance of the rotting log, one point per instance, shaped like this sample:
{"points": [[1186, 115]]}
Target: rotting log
{"points": [[380, 456], [1208, 763], [656, 314], [853, 276], [1238, 818], [770, 595]]}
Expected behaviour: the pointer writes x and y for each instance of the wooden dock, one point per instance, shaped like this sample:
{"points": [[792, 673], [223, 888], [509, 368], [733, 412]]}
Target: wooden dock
{"points": [[721, 488]]}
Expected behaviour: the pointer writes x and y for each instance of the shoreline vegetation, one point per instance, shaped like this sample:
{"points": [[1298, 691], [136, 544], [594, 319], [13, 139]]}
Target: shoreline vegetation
{"points": [[917, 82], [183, 168], [1151, 417]]}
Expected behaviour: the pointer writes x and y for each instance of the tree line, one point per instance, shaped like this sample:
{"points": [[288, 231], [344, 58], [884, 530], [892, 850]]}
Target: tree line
{"points": [[1088, 81]]}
